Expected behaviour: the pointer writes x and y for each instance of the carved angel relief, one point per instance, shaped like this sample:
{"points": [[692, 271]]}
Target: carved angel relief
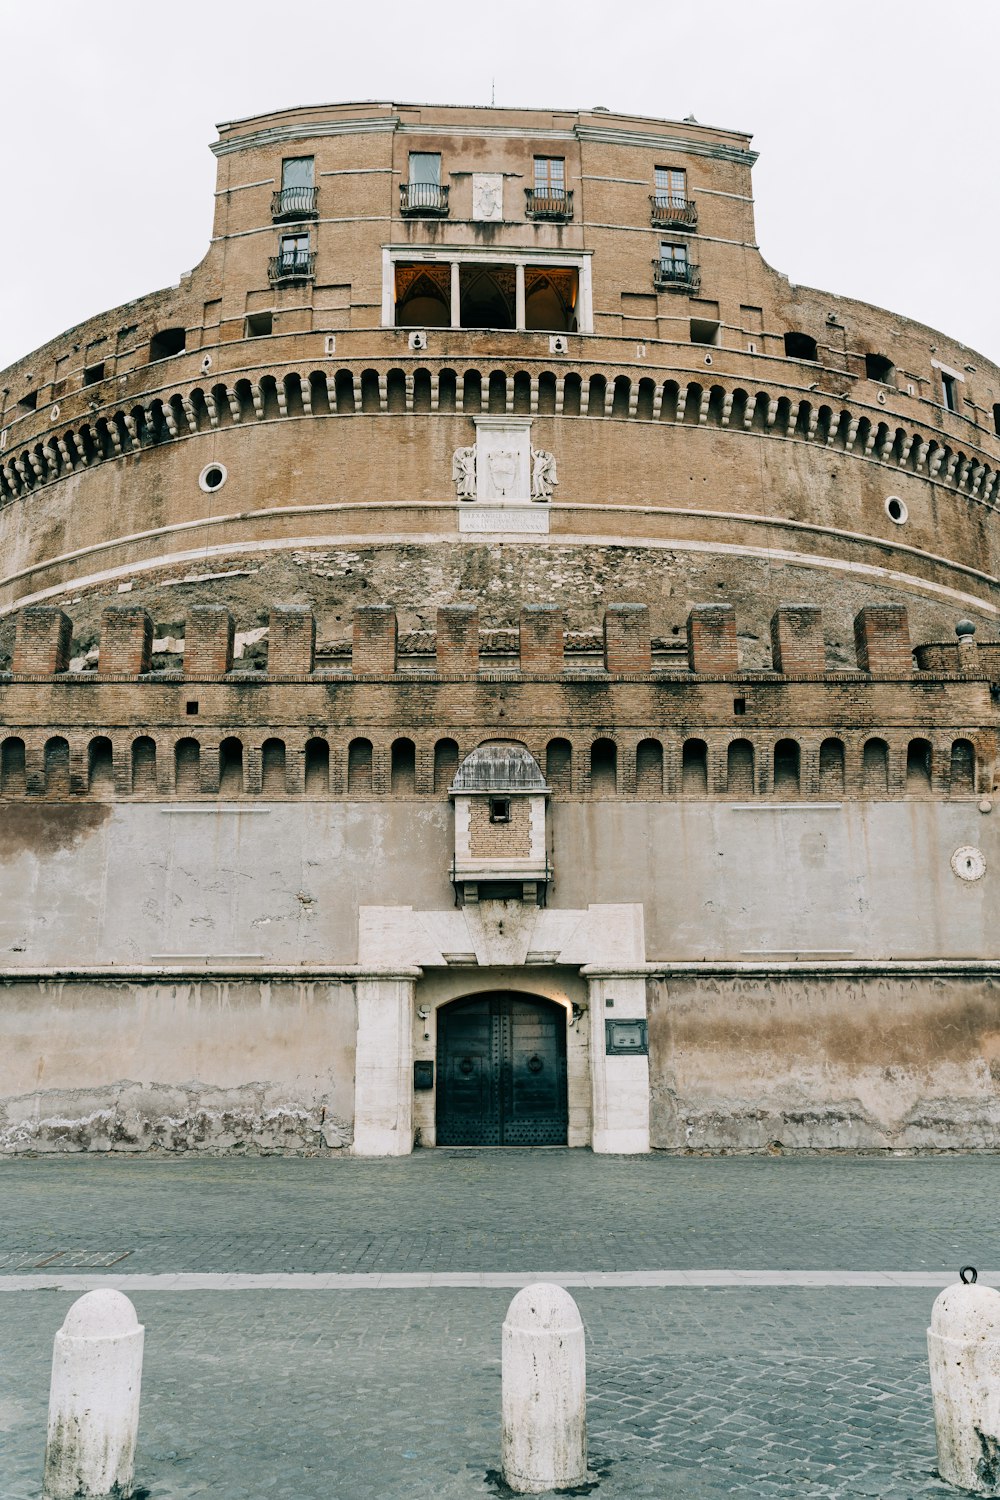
{"points": [[543, 474], [463, 472]]}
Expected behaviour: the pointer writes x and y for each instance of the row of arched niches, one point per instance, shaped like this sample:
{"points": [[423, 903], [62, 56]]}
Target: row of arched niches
{"points": [[871, 766], [170, 416]]}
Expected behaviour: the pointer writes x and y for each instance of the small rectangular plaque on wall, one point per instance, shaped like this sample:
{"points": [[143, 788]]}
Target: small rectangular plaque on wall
{"points": [[625, 1038]]}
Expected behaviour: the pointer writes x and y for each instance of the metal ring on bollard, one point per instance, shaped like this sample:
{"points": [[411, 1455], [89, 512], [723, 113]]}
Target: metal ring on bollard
{"points": [[968, 1280]]}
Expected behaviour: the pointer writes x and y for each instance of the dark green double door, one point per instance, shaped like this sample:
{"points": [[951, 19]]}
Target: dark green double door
{"points": [[501, 1072]]}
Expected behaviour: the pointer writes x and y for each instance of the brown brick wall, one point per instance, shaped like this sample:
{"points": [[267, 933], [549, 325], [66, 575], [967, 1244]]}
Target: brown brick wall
{"points": [[498, 840]]}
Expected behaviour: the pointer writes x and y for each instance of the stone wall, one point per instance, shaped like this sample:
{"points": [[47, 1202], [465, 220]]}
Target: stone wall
{"points": [[200, 1062], [874, 1059]]}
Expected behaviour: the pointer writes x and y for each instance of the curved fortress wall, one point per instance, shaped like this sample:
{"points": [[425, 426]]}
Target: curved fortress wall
{"points": [[704, 557]]}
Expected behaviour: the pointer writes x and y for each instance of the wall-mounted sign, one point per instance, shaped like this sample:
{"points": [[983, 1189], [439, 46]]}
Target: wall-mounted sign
{"points": [[624, 1037]]}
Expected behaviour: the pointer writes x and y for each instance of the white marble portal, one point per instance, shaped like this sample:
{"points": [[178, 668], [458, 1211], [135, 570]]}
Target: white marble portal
{"points": [[469, 949]]}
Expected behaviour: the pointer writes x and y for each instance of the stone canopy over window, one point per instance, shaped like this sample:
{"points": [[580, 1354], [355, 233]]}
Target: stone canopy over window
{"points": [[499, 767]]}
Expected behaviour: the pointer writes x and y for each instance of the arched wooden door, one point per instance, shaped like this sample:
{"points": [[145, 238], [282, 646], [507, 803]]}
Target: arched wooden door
{"points": [[501, 1072]]}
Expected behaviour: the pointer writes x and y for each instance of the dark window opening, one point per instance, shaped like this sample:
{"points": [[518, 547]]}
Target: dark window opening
{"points": [[213, 478], [93, 373], [996, 420], [705, 331], [487, 296], [739, 705], [878, 367], [29, 401], [260, 324], [167, 342], [191, 707], [499, 809], [800, 346], [949, 391]]}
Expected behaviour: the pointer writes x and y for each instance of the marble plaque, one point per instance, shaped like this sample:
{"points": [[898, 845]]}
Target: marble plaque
{"points": [[503, 458], [487, 197], [495, 518]]}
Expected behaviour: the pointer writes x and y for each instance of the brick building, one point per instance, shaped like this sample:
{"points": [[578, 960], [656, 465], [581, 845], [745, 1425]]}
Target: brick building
{"points": [[487, 659]]}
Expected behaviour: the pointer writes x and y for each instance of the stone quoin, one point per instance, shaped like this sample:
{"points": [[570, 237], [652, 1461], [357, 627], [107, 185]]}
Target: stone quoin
{"points": [[487, 659]]}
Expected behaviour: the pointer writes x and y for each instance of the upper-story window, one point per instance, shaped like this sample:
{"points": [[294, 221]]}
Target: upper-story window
{"points": [[879, 367], [297, 196], [673, 269], [167, 342], [801, 346], [294, 260], [949, 391], [549, 198], [670, 203], [423, 194]]}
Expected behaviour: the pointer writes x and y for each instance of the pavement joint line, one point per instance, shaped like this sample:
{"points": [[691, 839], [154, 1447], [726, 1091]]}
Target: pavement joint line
{"points": [[347, 1281]]}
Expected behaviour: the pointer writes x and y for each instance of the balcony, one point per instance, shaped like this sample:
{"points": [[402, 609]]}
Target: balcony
{"points": [[675, 275], [294, 203], [293, 265], [668, 209], [549, 203], [426, 199]]}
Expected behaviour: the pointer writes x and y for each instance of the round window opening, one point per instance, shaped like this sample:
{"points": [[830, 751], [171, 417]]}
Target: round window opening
{"points": [[213, 477], [896, 510]]}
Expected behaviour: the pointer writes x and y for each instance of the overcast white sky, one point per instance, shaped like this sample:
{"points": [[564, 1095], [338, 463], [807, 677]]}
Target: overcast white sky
{"points": [[876, 123]]}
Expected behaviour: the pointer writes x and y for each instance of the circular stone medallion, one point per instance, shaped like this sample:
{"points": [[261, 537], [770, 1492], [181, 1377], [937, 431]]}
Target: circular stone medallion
{"points": [[969, 863]]}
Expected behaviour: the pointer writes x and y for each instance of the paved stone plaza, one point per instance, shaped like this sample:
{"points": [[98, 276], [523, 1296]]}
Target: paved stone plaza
{"points": [[346, 1386]]}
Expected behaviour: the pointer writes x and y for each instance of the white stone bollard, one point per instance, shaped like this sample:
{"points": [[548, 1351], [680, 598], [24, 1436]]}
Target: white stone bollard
{"points": [[544, 1380], [963, 1346], [94, 1399]]}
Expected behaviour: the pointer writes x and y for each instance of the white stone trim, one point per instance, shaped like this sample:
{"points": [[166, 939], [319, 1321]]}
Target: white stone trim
{"points": [[620, 1084], [947, 370]]}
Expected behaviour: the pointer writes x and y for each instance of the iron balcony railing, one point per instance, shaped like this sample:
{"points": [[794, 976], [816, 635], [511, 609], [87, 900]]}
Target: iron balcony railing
{"points": [[676, 275], [423, 198], [548, 203], [670, 208], [294, 203], [292, 265]]}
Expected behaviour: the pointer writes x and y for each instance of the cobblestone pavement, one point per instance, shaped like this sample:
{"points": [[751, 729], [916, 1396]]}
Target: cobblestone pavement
{"points": [[498, 1211], [386, 1395]]}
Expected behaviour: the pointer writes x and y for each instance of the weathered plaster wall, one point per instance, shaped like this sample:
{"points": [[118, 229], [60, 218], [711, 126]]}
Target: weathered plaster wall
{"points": [[198, 1064], [741, 1062], [282, 882]]}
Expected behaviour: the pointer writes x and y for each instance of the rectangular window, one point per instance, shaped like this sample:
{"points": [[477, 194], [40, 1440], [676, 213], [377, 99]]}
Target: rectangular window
{"points": [[294, 252], [259, 324], [92, 374], [499, 809], [425, 168], [671, 185], [949, 391], [550, 176], [674, 258], [297, 172]]}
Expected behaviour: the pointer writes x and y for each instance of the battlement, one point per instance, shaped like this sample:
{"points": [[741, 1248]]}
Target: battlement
{"points": [[460, 648], [609, 721]]}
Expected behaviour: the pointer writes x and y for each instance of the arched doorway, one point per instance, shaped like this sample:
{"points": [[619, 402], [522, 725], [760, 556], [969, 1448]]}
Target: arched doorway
{"points": [[501, 1070]]}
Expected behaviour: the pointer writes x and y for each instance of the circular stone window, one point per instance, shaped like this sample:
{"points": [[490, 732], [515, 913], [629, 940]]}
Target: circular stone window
{"points": [[213, 477], [896, 510], [969, 863]]}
